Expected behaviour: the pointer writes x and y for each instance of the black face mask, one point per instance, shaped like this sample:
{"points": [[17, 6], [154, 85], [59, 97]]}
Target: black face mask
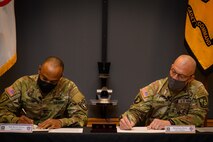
{"points": [[176, 85], [44, 86]]}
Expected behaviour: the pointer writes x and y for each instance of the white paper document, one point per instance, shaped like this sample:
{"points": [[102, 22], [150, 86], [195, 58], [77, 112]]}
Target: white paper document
{"points": [[59, 130], [205, 129], [40, 130], [36, 129], [139, 130], [66, 130]]}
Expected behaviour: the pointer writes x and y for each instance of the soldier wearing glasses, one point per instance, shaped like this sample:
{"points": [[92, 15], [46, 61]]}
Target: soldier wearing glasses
{"points": [[178, 99]]}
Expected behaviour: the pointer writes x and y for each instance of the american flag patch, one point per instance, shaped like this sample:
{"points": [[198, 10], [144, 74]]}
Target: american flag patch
{"points": [[144, 93], [10, 91]]}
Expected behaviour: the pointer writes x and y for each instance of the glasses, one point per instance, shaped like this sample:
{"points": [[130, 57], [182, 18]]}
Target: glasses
{"points": [[181, 77]]}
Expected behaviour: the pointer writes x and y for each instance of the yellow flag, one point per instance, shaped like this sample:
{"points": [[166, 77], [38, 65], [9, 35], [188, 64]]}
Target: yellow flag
{"points": [[199, 31], [7, 35]]}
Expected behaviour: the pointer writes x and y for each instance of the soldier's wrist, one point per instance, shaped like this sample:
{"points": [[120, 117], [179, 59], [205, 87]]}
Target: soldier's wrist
{"points": [[15, 119], [62, 124]]}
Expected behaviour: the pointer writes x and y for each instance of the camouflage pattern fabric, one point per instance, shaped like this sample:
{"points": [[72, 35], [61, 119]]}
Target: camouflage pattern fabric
{"points": [[65, 102], [188, 107]]}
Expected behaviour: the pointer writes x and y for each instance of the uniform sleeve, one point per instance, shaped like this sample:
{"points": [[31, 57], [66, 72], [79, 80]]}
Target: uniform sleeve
{"points": [[77, 110], [139, 110], [9, 104], [198, 109]]}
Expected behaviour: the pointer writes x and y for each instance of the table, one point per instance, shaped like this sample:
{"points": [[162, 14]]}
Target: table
{"points": [[86, 136]]}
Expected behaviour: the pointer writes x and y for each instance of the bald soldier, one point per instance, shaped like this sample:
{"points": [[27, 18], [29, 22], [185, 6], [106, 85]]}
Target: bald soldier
{"points": [[178, 99], [47, 99]]}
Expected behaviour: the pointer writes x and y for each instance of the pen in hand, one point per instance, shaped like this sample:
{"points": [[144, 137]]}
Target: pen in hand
{"points": [[128, 118], [24, 119]]}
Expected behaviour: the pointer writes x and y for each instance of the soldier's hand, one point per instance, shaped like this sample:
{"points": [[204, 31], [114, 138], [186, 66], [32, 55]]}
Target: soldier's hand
{"points": [[126, 124], [25, 120], [50, 124], [158, 124]]}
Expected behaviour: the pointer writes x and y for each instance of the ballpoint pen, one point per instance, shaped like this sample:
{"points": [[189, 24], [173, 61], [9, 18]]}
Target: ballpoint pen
{"points": [[24, 111]]}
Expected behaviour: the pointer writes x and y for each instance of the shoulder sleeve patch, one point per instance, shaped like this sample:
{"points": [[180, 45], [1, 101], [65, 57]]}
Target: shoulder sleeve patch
{"points": [[82, 104], [10, 91], [144, 93], [203, 102]]}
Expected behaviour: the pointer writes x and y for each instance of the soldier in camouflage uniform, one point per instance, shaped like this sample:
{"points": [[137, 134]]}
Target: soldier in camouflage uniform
{"points": [[47, 99], [176, 100]]}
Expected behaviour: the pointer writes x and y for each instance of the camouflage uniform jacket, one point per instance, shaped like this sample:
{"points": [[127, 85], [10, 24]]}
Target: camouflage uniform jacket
{"points": [[65, 102], [189, 107]]}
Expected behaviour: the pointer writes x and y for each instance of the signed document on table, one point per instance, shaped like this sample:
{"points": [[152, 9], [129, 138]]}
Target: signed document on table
{"points": [[59, 130], [139, 130], [66, 130], [36, 129], [205, 129]]}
